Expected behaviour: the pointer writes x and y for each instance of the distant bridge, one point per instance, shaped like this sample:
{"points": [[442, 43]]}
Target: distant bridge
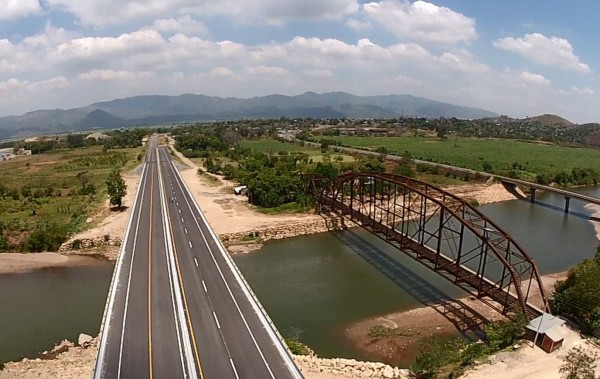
{"points": [[503, 179], [535, 187], [442, 232]]}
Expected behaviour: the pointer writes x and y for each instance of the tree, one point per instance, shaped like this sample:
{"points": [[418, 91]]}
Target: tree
{"points": [[75, 140], [579, 364], [116, 188], [579, 294]]}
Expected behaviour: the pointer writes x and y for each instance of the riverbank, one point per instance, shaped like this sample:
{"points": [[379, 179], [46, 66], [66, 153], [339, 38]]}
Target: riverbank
{"points": [[399, 344], [12, 263], [69, 360]]}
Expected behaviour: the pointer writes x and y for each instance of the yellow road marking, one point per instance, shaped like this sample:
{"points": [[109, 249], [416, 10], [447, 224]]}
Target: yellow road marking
{"points": [[187, 312], [150, 275]]}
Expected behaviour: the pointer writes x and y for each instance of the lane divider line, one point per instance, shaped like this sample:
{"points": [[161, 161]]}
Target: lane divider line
{"points": [[234, 370], [190, 243], [150, 276], [181, 297], [196, 262], [216, 320], [204, 285]]}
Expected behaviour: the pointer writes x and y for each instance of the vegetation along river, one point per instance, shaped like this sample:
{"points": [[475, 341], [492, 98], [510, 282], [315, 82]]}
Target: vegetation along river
{"points": [[311, 286]]}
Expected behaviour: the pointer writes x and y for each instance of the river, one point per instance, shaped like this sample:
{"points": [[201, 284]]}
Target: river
{"points": [[311, 286]]}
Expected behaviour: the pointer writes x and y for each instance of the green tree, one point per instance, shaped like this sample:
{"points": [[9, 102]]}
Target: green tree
{"points": [[504, 333], [579, 294], [579, 364], [116, 188]]}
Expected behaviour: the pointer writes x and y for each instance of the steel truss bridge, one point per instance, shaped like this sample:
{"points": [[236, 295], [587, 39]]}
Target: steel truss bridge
{"points": [[441, 231]]}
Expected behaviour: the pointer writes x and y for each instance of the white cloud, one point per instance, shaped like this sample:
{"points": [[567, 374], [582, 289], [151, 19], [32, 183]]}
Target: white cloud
{"points": [[319, 73], [422, 21], [269, 71], [14, 9], [108, 75], [185, 25], [462, 60], [357, 24], [553, 51], [534, 79], [101, 47], [106, 12], [583, 91]]}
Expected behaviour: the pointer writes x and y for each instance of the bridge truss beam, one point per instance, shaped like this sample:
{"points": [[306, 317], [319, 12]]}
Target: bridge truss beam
{"points": [[442, 232]]}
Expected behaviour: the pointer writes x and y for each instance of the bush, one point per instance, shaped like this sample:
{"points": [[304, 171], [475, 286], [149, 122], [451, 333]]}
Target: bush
{"points": [[76, 244], [297, 347], [46, 238], [502, 334], [579, 364]]}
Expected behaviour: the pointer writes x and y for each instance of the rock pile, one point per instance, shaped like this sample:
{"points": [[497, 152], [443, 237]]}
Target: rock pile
{"points": [[89, 243], [351, 368], [287, 230]]}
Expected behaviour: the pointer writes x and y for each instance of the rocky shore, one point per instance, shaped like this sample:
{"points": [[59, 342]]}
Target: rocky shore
{"points": [[69, 360]]}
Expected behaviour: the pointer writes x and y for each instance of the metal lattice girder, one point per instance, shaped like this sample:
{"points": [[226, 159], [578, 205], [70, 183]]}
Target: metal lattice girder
{"points": [[443, 232]]}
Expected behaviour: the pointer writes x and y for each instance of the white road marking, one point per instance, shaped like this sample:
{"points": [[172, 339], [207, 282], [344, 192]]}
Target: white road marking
{"points": [[204, 285], [190, 243], [185, 230], [196, 262], [216, 320], [179, 211], [260, 352], [182, 220], [233, 367]]}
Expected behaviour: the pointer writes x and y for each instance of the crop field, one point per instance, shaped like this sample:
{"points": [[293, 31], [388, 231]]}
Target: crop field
{"points": [[472, 153], [47, 188], [270, 146]]}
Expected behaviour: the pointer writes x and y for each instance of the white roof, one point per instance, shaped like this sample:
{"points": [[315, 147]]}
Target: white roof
{"points": [[544, 323], [556, 333]]}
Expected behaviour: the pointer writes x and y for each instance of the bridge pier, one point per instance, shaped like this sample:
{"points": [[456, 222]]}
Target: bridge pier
{"points": [[567, 202], [532, 195]]}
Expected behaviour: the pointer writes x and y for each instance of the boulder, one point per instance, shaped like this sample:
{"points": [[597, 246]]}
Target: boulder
{"points": [[388, 372], [84, 340]]}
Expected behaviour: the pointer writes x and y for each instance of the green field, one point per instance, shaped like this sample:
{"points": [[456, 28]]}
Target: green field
{"points": [[270, 146], [471, 153], [55, 188]]}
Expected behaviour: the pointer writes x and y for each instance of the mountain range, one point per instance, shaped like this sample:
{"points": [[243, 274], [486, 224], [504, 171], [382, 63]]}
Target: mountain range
{"points": [[157, 109]]}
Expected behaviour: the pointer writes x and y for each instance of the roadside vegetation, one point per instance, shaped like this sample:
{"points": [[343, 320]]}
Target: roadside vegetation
{"points": [[48, 196]]}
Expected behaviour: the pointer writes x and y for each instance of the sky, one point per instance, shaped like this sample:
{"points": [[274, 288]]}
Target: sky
{"points": [[513, 57]]}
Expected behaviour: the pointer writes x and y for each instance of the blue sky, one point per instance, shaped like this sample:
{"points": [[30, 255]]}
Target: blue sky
{"points": [[519, 58]]}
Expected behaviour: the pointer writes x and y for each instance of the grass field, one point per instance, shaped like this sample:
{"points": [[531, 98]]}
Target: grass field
{"points": [[472, 153], [270, 146], [53, 182]]}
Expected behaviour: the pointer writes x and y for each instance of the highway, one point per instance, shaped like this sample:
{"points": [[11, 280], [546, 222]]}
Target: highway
{"points": [[178, 307]]}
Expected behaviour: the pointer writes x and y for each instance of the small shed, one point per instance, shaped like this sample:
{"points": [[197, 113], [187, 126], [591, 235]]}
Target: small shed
{"points": [[547, 332]]}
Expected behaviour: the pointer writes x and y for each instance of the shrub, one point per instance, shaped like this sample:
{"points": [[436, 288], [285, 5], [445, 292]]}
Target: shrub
{"points": [[76, 244], [297, 347], [504, 333], [579, 364]]}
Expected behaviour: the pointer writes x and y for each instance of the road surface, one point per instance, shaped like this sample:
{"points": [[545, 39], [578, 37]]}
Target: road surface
{"points": [[178, 307]]}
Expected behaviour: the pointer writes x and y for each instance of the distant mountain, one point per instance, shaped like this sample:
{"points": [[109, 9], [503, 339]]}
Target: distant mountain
{"points": [[152, 110]]}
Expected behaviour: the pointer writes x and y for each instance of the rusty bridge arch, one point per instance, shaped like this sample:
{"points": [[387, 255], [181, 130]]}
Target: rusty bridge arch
{"points": [[441, 231]]}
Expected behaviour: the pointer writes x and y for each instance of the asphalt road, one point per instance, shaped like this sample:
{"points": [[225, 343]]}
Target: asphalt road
{"points": [[178, 306]]}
